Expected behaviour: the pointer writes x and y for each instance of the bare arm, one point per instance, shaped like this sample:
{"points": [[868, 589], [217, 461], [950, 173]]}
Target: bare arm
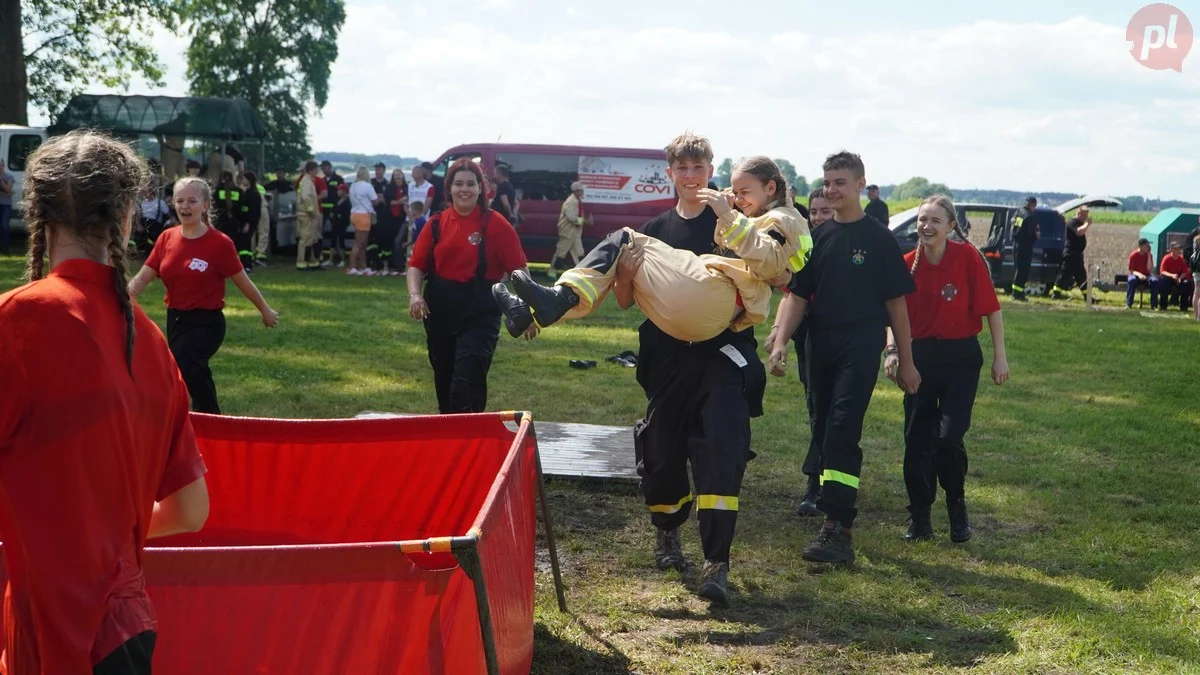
{"points": [[787, 320], [1084, 227], [184, 511], [907, 377], [999, 357], [269, 316], [141, 280]]}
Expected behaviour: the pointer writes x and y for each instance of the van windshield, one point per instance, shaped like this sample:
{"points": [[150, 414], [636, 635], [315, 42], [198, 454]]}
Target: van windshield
{"points": [[439, 170]]}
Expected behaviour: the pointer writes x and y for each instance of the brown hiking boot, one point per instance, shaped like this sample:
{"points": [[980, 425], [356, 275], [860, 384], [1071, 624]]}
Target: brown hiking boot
{"points": [[832, 545], [714, 582]]}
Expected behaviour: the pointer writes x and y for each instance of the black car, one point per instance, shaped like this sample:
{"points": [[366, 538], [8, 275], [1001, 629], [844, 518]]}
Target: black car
{"points": [[1047, 251]]}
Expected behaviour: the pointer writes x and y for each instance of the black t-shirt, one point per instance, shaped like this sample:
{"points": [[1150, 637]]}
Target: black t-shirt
{"points": [[877, 209], [660, 354], [379, 184], [1075, 242], [854, 269], [504, 189], [280, 186]]}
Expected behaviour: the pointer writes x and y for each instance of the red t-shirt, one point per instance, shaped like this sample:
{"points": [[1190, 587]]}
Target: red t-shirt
{"points": [[1173, 264], [1139, 262], [85, 451], [457, 253], [951, 296], [194, 270]]}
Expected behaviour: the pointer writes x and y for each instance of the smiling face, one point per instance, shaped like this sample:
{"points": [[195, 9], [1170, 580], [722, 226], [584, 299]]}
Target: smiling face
{"points": [[842, 188], [819, 211], [690, 175], [464, 189], [190, 204], [750, 195], [933, 225]]}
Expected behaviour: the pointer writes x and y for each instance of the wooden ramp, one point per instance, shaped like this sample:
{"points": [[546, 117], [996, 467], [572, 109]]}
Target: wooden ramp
{"points": [[571, 450]]}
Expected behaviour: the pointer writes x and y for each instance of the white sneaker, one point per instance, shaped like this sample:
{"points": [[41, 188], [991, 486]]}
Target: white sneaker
{"points": [[341, 264], [353, 272]]}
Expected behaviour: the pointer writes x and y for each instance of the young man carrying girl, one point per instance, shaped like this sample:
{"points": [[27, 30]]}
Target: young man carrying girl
{"points": [[953, 290], [857, 281], [690, 297]]}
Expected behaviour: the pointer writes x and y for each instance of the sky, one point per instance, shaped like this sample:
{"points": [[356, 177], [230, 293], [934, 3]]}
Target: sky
{"points": [[1025, 95]]}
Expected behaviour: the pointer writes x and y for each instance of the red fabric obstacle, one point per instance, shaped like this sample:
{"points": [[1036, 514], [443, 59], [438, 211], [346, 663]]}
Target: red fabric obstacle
{"points": [[300, 570]]}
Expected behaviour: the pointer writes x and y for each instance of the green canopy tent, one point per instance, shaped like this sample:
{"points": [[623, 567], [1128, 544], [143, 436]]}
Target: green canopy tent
{"points": [[1168, 226], [215, 120]]}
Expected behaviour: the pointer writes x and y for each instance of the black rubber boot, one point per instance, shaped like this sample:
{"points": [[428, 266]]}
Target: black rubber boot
{"points": [[809, 504], [517, 318], [547, 304], [960, 526]]}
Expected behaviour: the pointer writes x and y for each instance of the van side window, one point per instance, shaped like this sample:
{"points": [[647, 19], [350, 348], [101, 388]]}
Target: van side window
{"points": [[439, 171], [19, 148], [541, 177]]}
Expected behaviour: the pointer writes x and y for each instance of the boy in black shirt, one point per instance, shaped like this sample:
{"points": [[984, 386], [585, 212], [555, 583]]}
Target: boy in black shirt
{"points": [[857, 280]]}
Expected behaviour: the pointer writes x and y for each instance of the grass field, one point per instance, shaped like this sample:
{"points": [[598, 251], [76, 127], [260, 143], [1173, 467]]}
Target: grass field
{"points": [[1081, 489]]}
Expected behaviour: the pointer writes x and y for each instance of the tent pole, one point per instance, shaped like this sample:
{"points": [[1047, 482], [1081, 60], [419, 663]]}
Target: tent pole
{"points": [[468, 558], [558, 582]]}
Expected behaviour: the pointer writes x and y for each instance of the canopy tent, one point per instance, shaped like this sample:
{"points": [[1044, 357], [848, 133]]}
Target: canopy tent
{"points": [[171, 121], [204, 118], [1168, 226]]}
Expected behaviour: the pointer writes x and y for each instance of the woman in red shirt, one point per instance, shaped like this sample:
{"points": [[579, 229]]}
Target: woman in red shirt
{"points": [[460, 253], [97, 453], [953, 290], [194, 260]]}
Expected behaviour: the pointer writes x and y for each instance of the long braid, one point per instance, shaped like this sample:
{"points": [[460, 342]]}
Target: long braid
{"points": [[35, 261], [116, 258], [916, 260]]}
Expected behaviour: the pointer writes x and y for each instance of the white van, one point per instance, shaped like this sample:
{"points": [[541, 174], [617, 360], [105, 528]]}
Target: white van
{"points": [[15, 145]]}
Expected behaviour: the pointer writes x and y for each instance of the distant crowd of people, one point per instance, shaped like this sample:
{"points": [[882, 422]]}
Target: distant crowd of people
{"points": [[1174, 282]]}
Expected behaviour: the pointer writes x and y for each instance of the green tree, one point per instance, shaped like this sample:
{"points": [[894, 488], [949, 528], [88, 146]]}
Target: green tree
{"points": [[51, 50], [801, 184], [725, 173], [276, 55], [918, 187], [788, 170], [816, 184]]}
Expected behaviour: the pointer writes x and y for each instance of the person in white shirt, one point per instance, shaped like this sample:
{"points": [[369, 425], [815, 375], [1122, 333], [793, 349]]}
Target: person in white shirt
{"points": [[419, 189], [362, 204]]}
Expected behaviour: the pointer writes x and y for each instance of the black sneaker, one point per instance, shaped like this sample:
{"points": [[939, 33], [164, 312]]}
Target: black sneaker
{"points": [[810, 503], [517, 318], [668, 552], [714, 582], [921, 528], [547, 304], [832, 545], [1019, 297], [960, 527]]}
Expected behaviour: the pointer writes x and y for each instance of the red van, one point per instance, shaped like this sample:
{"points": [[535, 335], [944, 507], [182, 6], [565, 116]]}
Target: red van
{"points": [[623, 187]]}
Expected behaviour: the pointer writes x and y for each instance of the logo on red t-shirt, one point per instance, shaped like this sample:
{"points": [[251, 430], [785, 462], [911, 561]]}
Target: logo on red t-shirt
{"points": [[198, 265], [474, 238]]}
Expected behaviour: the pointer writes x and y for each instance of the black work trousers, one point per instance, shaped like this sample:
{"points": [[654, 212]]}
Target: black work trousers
{"points": [[194, 336], [132, 658], [843, 366], [461, 335], [244, 242], [698, 412], [936, 420], [1072, 273], [812, 455], [1023, 261]]}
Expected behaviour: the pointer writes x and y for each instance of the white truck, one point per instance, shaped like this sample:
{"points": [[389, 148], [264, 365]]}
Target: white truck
{"points": [[16, 143]]}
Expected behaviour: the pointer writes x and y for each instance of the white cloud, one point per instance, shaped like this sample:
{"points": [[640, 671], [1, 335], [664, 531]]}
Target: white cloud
{"points": [[1026, 106]]}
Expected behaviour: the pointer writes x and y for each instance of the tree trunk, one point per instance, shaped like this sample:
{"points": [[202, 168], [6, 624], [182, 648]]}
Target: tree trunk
{"points": [[13, 103]]}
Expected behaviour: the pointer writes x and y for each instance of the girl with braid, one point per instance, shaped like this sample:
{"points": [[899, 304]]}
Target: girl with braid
{"points": [[194, 260], [953, 292], [97, 452]]}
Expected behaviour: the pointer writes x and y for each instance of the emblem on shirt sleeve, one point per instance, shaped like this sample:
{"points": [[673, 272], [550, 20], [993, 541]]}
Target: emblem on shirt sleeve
{"points": [[949, 292], [859, 257], [198, 265]]}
